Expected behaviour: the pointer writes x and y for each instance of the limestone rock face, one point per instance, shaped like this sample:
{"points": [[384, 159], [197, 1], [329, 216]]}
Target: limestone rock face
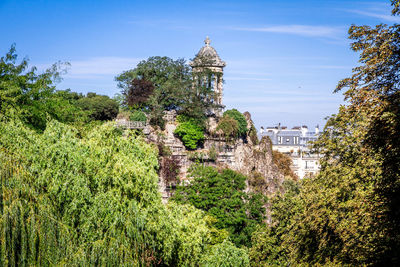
{"points": [[257, 159]]}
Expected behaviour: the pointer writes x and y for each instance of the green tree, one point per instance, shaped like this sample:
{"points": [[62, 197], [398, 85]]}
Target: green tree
{"points": [[226, 254], [221, 194], [229, 126], [98, 107], [190, 132], [351, 213], [174, 88], [241, 120], [269, 248], [92, 201], [138, 115], [32, 95], [138, 93], [169, 77]]}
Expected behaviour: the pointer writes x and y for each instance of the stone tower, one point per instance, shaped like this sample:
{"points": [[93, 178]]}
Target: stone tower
{"points": [[208, 69]]}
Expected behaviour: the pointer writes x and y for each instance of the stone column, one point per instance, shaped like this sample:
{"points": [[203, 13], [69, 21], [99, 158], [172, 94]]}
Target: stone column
{"points": [[219, 86], [216, 89]]}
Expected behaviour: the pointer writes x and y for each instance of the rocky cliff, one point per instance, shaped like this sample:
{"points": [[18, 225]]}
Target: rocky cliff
{"points": [[242, 155]]}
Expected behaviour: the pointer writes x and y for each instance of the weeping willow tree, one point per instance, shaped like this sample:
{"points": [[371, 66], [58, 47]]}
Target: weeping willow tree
{"points": [[91, 201], [75, 201]]}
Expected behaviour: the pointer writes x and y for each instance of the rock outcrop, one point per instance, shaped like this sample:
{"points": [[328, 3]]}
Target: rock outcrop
{"points": [[242, 155]]}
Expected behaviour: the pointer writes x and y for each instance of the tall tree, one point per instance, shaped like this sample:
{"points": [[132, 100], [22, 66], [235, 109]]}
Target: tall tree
{"points": [[98, 107], [352, 213], [174, 88], [30, 94], [138, 93], [221, 194]]}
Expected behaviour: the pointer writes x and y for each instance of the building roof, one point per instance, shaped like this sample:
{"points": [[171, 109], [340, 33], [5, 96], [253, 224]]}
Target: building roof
{"points": [[207, 57], [289, 133]]}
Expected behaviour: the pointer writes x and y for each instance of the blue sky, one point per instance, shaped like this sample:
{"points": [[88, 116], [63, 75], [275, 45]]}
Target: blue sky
{"points": [[284, 58]]}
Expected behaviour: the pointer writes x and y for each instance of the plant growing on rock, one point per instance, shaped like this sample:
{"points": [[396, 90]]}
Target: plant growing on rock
{"points": [[190, 132], [212, 153], [284, 162], [229, 127], [137, 115], [170, 167], [241, 120]]}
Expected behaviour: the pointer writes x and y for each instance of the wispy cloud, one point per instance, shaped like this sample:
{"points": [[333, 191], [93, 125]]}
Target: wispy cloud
{"points": [[303, 30], [91, 67], [378, 15], [96, 67]]}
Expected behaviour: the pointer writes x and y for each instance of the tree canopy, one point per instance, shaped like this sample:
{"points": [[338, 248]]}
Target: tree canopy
{"points": [[221, 194], [98, 107], [349, 213], [32, 95], [241, 120], [94, 201], [161, 83]]}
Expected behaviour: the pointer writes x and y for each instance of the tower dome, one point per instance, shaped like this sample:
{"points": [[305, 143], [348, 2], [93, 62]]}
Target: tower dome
{"points": [[207, 57]]}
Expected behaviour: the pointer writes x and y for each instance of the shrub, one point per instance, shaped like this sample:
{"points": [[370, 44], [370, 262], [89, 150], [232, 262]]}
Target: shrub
{"points": [[241, 120], [138, 115], [170, 169], [189, 132], [253, 135], [229, 127], [212, 154], [257, 182]]}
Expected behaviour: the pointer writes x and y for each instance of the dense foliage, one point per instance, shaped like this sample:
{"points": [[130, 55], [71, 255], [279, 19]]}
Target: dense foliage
{"points": [[170, 166], [226, 250], [253, 135], [268, 247], [241, 120], [161, 83], [87, 197], [98, 107], [91, 201], [229, 127], [32, 95], [137, 115], [190, 132], [221, 194], [349, 213], [138, 93]]}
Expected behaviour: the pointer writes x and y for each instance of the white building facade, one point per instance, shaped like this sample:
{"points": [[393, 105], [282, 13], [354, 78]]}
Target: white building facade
{"points": [[295, 143]]}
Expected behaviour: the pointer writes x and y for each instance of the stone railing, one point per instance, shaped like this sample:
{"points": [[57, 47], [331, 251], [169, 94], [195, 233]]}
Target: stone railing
{"points": [[131, 124]]}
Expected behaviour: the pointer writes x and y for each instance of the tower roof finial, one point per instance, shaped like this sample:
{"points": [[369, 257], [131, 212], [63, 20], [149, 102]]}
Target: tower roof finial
{"points": [[207, 41]]}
